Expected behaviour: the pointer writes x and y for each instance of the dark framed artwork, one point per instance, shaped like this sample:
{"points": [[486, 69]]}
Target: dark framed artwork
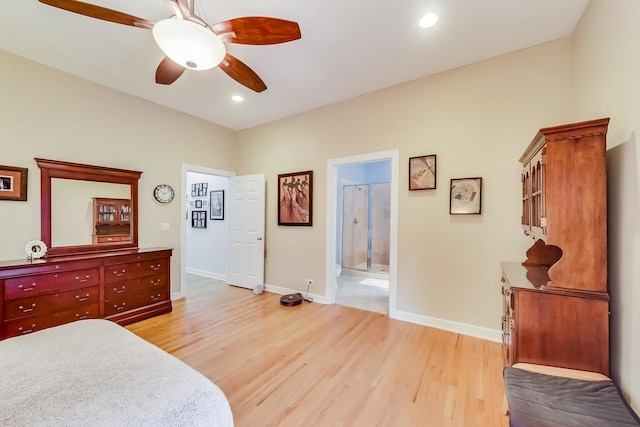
{"points": [[13, 183], [199, 219], [199, 189], [198, 204], [216, 204], [466, 196], [295, 198], [422, 172]]}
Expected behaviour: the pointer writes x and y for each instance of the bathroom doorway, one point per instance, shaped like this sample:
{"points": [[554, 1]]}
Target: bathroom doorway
{"points": [[364, 214]]}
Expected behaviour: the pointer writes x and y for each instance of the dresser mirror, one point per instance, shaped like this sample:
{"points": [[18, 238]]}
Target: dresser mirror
{"points": [[72, 198]]}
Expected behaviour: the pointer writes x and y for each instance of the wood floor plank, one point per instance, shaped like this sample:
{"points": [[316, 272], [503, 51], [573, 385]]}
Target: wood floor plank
{"points": [[329, 365]]}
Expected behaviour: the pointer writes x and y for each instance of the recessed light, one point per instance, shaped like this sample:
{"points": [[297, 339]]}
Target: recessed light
{"points": [[237, 98], [428, 20]]}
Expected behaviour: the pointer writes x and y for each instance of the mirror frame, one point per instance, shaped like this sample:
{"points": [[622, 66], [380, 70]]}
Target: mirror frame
{"points": [[57, 169]]}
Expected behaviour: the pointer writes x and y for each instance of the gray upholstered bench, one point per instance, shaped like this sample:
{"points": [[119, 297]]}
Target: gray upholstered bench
{"points": [[543, 396]]}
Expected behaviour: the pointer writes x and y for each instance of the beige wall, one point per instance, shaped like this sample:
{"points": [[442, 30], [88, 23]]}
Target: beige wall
{"points": [[49, 114], [478, 120], [606, 76]]}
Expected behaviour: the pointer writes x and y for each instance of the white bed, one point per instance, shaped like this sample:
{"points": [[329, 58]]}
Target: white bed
{"points": [[94, 372]]}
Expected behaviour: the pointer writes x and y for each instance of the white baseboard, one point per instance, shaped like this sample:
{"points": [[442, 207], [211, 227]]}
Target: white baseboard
{"points": [[176, 295], [448, 325], [284, 291], [208, 274]]}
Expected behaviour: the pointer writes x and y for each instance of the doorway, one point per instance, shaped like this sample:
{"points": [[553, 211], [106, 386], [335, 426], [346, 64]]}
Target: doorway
{"points": [[204, 251], [362, 234]]}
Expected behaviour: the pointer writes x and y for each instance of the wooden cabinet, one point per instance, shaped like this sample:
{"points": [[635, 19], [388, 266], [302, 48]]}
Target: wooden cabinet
{"points": [[111, 220], [556, 305], [554, 327], [123, 286]]}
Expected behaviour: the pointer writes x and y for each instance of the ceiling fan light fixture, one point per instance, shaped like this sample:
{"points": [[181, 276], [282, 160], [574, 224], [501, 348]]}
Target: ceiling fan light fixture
{"points": [[188, 43], [428, 20]]}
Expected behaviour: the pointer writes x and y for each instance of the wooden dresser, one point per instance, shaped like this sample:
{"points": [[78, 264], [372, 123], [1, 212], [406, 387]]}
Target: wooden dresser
{"points": [[556, 304], [123, 286]]}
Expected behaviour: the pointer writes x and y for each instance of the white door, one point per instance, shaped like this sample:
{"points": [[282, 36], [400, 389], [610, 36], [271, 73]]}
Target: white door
{"points": [[246, 230]]}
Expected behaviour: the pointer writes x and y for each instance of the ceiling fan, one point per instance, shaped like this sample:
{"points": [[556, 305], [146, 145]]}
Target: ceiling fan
{"points": [[189, 42]]}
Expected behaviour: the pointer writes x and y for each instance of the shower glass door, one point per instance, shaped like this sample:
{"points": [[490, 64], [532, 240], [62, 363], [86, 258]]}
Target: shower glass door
{"points": [[355, 226]]}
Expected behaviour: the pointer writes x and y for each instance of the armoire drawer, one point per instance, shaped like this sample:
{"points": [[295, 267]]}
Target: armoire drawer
{"points": [[135, 301], [132, 270], [30, 324], [22, 287], [112, 239], [130, 287], [49, 303]]}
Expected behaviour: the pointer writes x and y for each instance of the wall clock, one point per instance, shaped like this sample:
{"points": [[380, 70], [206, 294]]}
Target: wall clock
{"points": [[163, 193]]}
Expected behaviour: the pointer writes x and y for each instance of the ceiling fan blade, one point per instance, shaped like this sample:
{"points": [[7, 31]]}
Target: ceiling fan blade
{"points": [[99, 12], [168, 72], [257, 30], [241, 73]]}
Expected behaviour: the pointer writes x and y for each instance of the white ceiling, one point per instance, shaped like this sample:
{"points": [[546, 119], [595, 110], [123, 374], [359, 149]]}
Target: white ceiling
{"points": [[348, 48]]}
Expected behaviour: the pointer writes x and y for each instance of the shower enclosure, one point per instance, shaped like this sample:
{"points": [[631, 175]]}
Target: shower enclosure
{"points": [[366, 227]]}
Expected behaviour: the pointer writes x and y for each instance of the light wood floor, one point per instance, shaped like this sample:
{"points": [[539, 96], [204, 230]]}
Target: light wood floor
{"points": [[329, 365]]}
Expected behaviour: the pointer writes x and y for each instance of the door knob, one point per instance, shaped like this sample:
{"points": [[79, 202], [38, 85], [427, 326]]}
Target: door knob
{"points": [[259, 238]]}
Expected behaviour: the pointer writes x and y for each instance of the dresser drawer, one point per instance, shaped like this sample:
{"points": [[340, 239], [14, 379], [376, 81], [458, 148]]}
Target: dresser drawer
{"points": [[37, 305], [136, 301], [22, 287], [27, 325], [112, 239], [130, 287], [40, 266], [119, 272]]}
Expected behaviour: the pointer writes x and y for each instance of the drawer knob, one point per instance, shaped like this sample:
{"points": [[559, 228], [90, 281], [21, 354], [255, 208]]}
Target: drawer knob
{"points": [[80, 316], [82, 298], [155, 282], [155, 297], [85, 279], [155, 267], [33, 286], [119, 291], [26, 331], [119, 307], [119, 274], [27, 310]]}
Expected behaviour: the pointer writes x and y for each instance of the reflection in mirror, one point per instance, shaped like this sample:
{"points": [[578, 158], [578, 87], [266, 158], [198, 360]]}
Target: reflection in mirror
{"points": [[72, 212]]}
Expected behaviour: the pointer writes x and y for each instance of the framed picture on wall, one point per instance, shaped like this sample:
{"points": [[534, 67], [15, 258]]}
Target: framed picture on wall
{"points": [[13, 183], [422, 172], [466, 196], [199, 219], [295, 198], [199, 189], [216, 204], [198, 204]]}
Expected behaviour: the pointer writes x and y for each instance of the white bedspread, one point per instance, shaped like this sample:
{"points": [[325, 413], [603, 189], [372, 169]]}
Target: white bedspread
{"points": [[96, 373]]}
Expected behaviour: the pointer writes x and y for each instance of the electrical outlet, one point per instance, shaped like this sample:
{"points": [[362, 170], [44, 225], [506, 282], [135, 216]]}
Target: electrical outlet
{"points": [[309, 282]]}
